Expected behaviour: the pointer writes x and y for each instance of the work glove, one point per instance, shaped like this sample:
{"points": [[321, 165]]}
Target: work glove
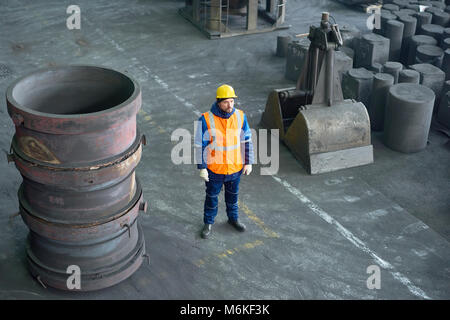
{"points": [[247, 169], [204, 174]]}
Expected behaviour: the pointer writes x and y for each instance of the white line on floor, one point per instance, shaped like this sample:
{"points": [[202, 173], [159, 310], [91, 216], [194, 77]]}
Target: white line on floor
{"points": [[146, 70], [352, 238]]}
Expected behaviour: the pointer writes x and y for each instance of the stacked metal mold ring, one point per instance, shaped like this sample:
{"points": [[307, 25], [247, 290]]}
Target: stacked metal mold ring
{"points": [[76, 146]]}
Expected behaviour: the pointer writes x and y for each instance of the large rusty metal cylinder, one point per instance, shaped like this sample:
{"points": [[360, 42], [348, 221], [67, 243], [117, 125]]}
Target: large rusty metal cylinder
{"points": [[76, 146]]}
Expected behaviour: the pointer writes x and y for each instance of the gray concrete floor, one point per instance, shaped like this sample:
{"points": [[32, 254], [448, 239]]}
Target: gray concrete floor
{"points": [[309, 237]]}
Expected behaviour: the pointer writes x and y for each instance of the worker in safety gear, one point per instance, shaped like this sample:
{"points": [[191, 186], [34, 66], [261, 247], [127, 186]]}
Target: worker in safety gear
{"points": [[223, 142]]}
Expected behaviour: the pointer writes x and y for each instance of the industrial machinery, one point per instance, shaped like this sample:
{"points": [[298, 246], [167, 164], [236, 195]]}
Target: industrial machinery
{"points": [[227, 18], [324, 131], [76, 146]]}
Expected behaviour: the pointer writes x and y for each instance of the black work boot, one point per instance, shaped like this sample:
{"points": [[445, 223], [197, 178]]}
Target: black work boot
{"points": [[206, 231], [237, 225]]}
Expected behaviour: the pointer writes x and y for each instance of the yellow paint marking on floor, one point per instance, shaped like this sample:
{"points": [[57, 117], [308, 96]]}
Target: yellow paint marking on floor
{"points": [[199, 262], [147, 118], [252, 216], [229, 252]]}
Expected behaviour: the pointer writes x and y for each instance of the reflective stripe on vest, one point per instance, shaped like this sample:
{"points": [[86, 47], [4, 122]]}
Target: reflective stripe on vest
{"points": [[214, 145], [224, 151]]}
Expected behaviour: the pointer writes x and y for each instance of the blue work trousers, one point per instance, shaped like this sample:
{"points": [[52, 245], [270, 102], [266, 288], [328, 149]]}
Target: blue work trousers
{"points": [[213, 188]]}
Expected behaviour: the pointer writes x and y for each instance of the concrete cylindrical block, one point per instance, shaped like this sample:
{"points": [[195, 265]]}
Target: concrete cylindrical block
{"points": [[401, 3], [348, 51], [408, 115], [415, 42], [422, 18], [441, 18], [295, 58], [394, 32], [349, 34], [438, 4], [445, 44], [380, 88], [409, 29], [433, 10], [384, 18], [342, 63], [414, 7], [430, 54], [357, 84], [443, 115], [393, 68], [376, 67], [410, 24], [425, 3], [407, 11], [409, 76], [443, 99], [282, 45], [391, 7], [446, 64], [398, 13], [371, 48], [431, 77], [432, 30], [445, 34]]}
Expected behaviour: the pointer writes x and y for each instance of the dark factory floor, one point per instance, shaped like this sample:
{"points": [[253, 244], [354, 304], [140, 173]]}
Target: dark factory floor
{"points": [[308, 236]]}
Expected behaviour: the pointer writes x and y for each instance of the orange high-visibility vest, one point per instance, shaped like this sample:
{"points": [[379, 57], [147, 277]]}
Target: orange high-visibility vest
{"points": [[224, 150]]}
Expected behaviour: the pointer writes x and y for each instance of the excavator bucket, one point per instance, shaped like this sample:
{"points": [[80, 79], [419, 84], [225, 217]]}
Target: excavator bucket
{"points": [[281, 109], [326, 139], [322, 130]]}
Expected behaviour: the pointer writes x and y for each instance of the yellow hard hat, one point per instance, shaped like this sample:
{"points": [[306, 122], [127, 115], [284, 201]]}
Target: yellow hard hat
{"points": [[225, 91]]}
